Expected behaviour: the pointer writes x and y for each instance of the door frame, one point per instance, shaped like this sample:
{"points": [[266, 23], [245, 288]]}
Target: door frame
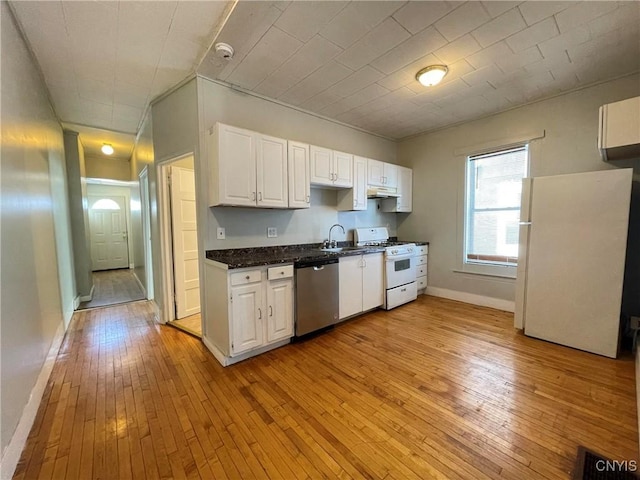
{"points": [[145, 207], [168, 307]]}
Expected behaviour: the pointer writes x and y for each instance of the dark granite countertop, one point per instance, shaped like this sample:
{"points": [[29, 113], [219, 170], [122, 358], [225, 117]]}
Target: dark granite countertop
{"points": [[260, 256]]}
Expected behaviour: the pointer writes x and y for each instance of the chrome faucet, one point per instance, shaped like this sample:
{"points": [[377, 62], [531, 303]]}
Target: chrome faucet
{"points": [[332, 243]]}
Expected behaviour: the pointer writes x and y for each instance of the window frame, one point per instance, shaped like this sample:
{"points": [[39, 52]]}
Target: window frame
{"points": [[505, 269]]}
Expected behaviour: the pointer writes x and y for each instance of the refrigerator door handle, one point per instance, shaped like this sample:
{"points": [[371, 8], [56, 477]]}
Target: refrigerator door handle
{"points": [[524, 223]]}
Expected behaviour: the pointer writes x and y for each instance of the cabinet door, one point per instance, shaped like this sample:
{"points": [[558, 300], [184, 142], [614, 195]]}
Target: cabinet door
{"points": [[350, 292], [390, 175], [375, 172], [372, 281], [279, 310], [236, 163], [321, 163], [299, 181], [343, 169], [405, 189], [246, 318], [271, 168], [359, 183]]}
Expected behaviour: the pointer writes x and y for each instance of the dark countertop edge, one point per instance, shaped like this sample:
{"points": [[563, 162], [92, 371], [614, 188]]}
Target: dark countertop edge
{"points": [[244, 262]]}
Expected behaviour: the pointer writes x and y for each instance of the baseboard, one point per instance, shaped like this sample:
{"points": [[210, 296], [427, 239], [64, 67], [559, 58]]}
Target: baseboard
{"points": [[156, 311], [481, 300], [76, 302], [135, 275], [131, 266], [88, 298], [11, 455]]}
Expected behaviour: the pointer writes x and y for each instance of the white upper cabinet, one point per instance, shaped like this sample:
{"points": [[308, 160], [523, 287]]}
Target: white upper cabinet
{"points": [[247, 168], [330, 168], [382, 174], [355, 198], [271, 168], [299, 178], [404, 203], [619, 132]]}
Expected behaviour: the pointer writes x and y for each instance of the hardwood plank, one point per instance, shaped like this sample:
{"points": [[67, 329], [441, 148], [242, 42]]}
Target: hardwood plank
{"points": [[433, 389]]}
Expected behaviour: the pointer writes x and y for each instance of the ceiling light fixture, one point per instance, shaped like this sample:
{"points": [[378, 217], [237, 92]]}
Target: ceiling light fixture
{"points": [[431, 75], [107, 149]]}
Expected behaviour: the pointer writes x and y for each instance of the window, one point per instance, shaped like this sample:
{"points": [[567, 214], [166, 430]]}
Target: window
{"points": [[105, 204], [492, 213]]}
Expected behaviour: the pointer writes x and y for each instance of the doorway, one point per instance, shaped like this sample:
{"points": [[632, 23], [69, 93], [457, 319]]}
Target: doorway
{"points": [[180, 245], [109, 233]]}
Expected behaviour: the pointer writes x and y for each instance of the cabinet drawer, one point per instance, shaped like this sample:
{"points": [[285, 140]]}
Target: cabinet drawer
{"points": [[422, 282], [421, 270], [422, 249], [284, 271], [242, 278], [421, 260]]}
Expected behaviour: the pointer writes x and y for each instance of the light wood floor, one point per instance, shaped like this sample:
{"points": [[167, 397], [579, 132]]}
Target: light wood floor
{"points": [[433, 389], [191, 324], [112, 287]]}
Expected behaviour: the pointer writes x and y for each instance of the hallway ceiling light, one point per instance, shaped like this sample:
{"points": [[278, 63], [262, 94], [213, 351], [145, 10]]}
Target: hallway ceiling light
{"points": [[107, 149], [431, 75]]}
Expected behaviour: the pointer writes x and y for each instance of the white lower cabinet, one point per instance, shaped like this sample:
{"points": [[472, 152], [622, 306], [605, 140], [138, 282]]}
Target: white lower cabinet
{"points": [[361, 283], [247, 309], [421, 266]]}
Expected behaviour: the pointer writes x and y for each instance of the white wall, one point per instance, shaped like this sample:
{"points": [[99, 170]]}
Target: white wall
{"points": [[247, 227], [571, 125], [33, 199]]}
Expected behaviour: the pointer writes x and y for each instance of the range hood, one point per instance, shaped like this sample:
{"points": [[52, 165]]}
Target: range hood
{"points": [[381, 192]]}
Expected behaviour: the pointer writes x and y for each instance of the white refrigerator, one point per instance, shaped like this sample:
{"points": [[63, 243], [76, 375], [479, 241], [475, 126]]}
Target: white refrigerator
{"points": [[571, 261]]}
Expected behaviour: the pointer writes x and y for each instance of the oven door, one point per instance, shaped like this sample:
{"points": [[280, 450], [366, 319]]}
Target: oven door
{"points": [[400, 270]]}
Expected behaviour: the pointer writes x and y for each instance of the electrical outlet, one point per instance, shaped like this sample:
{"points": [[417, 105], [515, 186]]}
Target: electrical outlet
{"points": [[221, 235], [272, 232]]}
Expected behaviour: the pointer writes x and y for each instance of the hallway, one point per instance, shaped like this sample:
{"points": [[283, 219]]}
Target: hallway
{"points": [[112, 287]]}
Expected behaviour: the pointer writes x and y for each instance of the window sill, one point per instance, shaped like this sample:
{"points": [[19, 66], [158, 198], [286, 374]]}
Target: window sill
{"points": [[505, 275]]}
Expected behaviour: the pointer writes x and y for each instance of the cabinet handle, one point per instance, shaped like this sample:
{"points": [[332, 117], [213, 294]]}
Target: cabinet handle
{"points": [[247, 277], [270, 311], [259, 313], [260, 196], [253, 195], [308, 199]]}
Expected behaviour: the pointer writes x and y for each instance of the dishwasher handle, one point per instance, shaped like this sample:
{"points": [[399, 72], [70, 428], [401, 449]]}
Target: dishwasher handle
{"points": [[316, 268]]}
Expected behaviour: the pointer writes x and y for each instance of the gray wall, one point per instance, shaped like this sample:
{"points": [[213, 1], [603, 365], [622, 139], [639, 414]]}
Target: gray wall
{"points": [[106, 167], [33, 199], [247, 227], [79, 214], [569, 146]]}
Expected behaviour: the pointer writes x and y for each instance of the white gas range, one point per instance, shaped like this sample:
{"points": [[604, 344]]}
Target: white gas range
{"points": [[400, 265]]}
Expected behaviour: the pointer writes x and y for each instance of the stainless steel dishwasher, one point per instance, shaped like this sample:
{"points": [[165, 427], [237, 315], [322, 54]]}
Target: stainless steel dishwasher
{"points": [[316, 294]]}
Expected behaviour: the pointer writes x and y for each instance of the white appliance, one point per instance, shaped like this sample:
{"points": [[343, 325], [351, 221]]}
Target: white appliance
{"points": [[573, 240], [399, 265]]}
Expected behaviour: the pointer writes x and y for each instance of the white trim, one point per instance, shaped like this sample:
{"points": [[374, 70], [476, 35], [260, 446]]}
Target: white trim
{"points": [[11, 454], [111, 183], [135, 275], [76, 302], [226, 361], [166, 249], [481, 300], [157, 314], [88, 298], [499, 144]]}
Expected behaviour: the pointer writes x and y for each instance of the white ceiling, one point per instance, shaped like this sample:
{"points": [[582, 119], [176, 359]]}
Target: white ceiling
{"points": [[104, 61], [356, 61]]}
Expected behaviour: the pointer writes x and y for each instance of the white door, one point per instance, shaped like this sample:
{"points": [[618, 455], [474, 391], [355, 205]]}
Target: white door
{"points": [[279, 310], [271, 170], [375, 172], [343, 169], [247, 317], [405, 189], [185, 242], [108, 225], [372, 281], [575, 259], [390, 177], [237, 165], [299, 181], [350, 286]]}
